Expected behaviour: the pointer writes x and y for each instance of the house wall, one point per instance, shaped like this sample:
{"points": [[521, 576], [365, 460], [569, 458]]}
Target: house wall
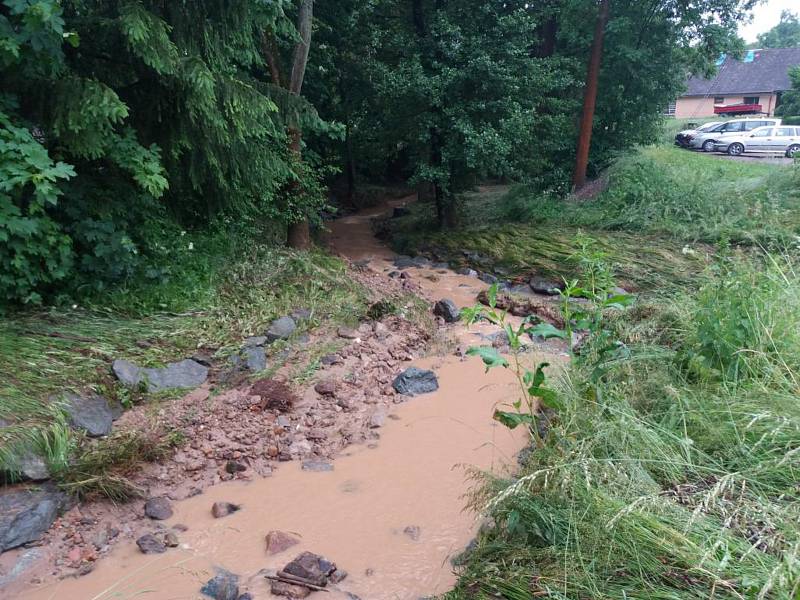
{"points": [[696, 107]]}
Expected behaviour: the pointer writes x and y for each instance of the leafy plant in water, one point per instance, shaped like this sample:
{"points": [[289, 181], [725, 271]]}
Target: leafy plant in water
{"points": [[580, 319]]}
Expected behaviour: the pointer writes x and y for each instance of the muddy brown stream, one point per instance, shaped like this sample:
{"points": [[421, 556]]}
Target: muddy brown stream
{"points": [[416, 475]]}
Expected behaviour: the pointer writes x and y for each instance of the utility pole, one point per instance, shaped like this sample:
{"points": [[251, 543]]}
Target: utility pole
{"points": [[590, 98]]}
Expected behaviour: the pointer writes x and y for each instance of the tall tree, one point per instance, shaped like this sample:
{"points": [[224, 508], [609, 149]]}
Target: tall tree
{"points": [[786, 34], [298, 235], [590, 97]]}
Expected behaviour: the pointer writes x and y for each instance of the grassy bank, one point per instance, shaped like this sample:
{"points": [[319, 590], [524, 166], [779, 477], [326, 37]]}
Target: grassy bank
{"points": [[664, 212], [669, 471], [46, 352], [670, 468]]}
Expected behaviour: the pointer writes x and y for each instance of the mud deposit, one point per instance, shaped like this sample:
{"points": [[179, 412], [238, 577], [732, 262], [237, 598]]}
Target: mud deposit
{"points": [[391, 512]]}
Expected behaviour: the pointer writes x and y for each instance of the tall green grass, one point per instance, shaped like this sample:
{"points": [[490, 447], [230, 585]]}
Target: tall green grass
{"points": [[684, 195], [675, 475]]}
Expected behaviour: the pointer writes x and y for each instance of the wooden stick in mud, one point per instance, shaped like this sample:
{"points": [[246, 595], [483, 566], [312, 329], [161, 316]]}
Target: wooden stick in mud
{"points": [[294, 580]]}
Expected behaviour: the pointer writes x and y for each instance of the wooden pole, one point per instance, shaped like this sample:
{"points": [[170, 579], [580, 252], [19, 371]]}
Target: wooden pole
{"points": [[590, 98]]}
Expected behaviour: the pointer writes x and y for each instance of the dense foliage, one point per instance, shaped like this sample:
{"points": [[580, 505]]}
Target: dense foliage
{"points": [[786, 34], [125, 122], [790, 101]]}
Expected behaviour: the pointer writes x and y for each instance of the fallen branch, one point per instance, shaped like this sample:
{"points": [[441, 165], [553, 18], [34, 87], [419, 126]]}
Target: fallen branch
{"points": [[294, 580]]}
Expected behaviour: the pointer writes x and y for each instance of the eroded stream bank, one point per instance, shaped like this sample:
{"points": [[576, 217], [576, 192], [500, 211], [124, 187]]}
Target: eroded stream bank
{"points": [[413, 479]]}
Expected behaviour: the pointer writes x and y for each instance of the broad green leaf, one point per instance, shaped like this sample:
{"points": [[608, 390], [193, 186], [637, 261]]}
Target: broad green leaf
{"points": [[490, 356], [547, 331]]}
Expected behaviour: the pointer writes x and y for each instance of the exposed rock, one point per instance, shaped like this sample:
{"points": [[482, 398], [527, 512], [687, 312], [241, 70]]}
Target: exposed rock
{"points": [[31, 467], [488, 278], [25, 561], [311, 567], [159, 508], [317, 466], [279, 541], [415, 381], [255, 358], [468, 272], [150, 544], [348, 333], [223, 586], [447, 309], [394, 274], [541, 285], [413, 531], [326, 387], [331, 359], [618, 291], [91, 413], [256, 340], [223, 509], [128, 373], [25, 515], [281, 588], [377, 419], [183, 374], [234, 467], [246, 596], [281, 329]]}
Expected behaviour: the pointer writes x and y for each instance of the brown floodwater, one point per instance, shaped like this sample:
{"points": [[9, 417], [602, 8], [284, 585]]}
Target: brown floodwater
{"points": [[416, 475]]}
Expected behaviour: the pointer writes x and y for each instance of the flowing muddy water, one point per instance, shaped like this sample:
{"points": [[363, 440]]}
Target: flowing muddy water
{"points": [[416, 476]]}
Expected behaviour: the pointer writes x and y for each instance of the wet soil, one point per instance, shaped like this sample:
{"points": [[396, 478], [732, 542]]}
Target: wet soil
{"points": [[410, 473]]}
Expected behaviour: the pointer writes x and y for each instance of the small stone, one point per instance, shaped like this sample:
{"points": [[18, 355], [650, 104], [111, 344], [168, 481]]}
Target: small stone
{"points": [[74, 557], [171, 539], [394, 274], [317, 466], [279, 541], [158, 508], [281, 588], [128, 373], [247, 596], [254, 341], [255, 358], [348, 333], [413, 531], [234, 467], [369, 572], [331, 359], [550, 287], [488, 278], [447, 310], [415, 381], [311, 567], [223, 586], [468, 272], [281, 329], [223, 509], [377, 419], [326, 387], [32, 467], [150, 544]]}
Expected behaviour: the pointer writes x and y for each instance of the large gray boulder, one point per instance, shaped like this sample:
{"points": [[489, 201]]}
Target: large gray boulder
{"points": [[25, 515], [281, 329], [179, 375], [91, 413], [415, 381]]}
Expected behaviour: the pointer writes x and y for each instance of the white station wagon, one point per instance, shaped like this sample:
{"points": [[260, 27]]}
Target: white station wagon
{"points": [[764, 140]]}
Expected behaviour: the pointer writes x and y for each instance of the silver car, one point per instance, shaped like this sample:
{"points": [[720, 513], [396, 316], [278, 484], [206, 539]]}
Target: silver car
{"points": [[734, 128], [764, 140]]}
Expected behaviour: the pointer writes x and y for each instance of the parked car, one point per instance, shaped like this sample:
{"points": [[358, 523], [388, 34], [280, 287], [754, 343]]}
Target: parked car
{"points": [[764, 140], [682, 138], [734, 128]]}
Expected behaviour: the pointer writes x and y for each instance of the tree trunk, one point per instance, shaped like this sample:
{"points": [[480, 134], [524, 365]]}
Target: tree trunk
{"points": [[350, 163], [299, 234], [590, 99]]}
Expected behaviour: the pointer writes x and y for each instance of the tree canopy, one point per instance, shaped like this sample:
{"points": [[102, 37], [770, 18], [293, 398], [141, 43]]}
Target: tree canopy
{"points": [[786, 34]]}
